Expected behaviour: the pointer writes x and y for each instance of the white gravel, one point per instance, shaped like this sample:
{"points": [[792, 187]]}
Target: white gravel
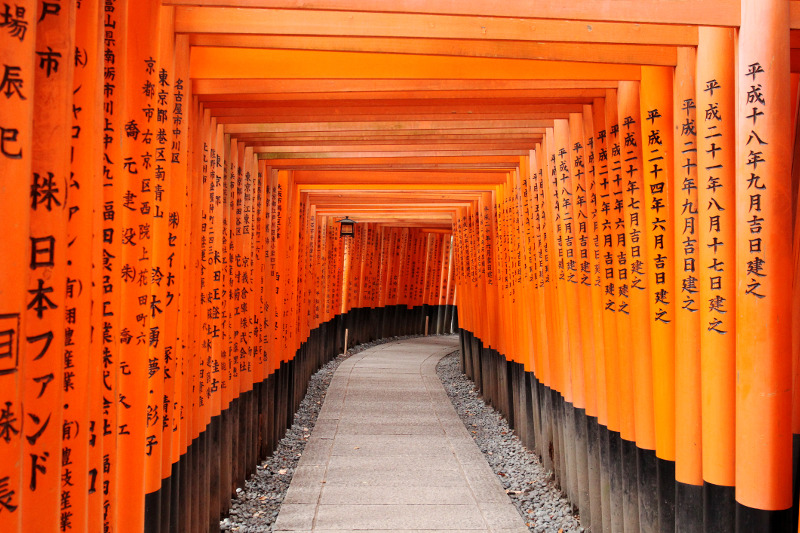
{"points": [[541, 504]]}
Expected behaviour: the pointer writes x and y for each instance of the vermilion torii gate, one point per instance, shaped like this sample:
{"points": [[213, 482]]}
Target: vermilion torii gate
{"points": [[606, 191]]}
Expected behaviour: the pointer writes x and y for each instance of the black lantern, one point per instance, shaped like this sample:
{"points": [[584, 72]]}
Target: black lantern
{"points": [[347, 227]]}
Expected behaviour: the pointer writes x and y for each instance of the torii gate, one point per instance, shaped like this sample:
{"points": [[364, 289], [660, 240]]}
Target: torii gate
{"points": [[605, 190]]}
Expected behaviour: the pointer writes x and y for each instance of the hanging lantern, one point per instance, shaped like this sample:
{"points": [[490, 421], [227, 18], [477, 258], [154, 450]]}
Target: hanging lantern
{"points": [[347, 227]]}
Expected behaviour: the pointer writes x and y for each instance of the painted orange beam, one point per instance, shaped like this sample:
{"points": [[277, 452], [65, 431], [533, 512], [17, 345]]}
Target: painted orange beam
{"points": [[422, 163], [718, 13], [470, 92], [207, 62], [239, 86], [306, 177], [380, 139], [266, 118], [511, 133], [325, 155], [456, 98], [395, 197], [593, 52], [356, 108], [364, 24], [460, 147], [378, 126]]}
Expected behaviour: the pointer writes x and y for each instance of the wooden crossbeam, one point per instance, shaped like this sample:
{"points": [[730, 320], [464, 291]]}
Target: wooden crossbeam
{"points": [[265, 118], [438, 107], [637, 54], [236, 87], [376, 126], [334, 139], [219, 62], [379, 99], [705, 12], [425, 26], [399, 154], [397, 177]]}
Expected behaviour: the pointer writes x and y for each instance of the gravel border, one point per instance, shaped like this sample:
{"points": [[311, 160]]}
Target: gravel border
{"points": [[543, 507], [255, 507]]}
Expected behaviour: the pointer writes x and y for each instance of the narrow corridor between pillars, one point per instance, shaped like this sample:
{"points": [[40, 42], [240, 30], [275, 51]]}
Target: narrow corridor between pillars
{"points": [[389, 453]]}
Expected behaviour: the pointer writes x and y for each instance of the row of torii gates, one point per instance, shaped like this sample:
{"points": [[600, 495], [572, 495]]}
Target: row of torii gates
{"points": [[600, 197]]}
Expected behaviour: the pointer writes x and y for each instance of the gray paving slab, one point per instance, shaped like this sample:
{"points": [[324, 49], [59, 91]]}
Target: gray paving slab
{"points": [[389, 453]]}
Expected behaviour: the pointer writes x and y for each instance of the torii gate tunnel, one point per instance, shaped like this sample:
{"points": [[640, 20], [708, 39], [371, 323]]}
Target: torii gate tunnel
{"points": [[600, 197]]}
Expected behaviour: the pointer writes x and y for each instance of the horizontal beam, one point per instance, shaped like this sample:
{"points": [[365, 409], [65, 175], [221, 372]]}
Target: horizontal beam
{"points": [[441, 147], [552, 51], [437, 107], [315, 86], [430, 153], [456, 133], [309, 188], [425, 26], [394, 198], [399, 143], [414, 162], [703, 12], [386, 126], [389, 176], [266, 118], [376, 97], [211, 62], [382, 138]]}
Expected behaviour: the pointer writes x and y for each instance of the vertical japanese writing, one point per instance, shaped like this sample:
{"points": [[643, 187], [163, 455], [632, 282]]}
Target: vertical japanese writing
{"points": [[686, 198], [656, 193], [754, 102]]}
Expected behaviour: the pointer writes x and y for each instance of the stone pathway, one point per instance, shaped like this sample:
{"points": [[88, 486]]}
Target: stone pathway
{"points": [[389, 453]]}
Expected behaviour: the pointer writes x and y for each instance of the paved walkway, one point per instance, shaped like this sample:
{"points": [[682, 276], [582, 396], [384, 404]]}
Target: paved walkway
{"points": [[389, 453]]}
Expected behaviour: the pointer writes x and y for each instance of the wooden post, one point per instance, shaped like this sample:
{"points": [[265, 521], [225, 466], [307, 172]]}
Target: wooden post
{"points": [[763, 218], [83, 361], [634, 357], [716, 237], [17, 55], [657, 149], [46, 331], [688, 434]]}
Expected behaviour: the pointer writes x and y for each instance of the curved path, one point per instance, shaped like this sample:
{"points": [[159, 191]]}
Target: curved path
{"points": [[389, 453]]}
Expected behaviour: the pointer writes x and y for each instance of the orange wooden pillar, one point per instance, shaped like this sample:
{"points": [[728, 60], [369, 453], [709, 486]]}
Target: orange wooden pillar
{"points": [[114, 110], [540, 313], [46, 331], [583, 241], [716, 235], [635, 355], [763, 216], [141, 471], [176, 391], [688, 435], [528, 272], [82, 451], [561, 383], [17, 53], [796, 332], [657, 149], [182, 286], [595, 365], [543, 315], [610, 222], [161, 340]]}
